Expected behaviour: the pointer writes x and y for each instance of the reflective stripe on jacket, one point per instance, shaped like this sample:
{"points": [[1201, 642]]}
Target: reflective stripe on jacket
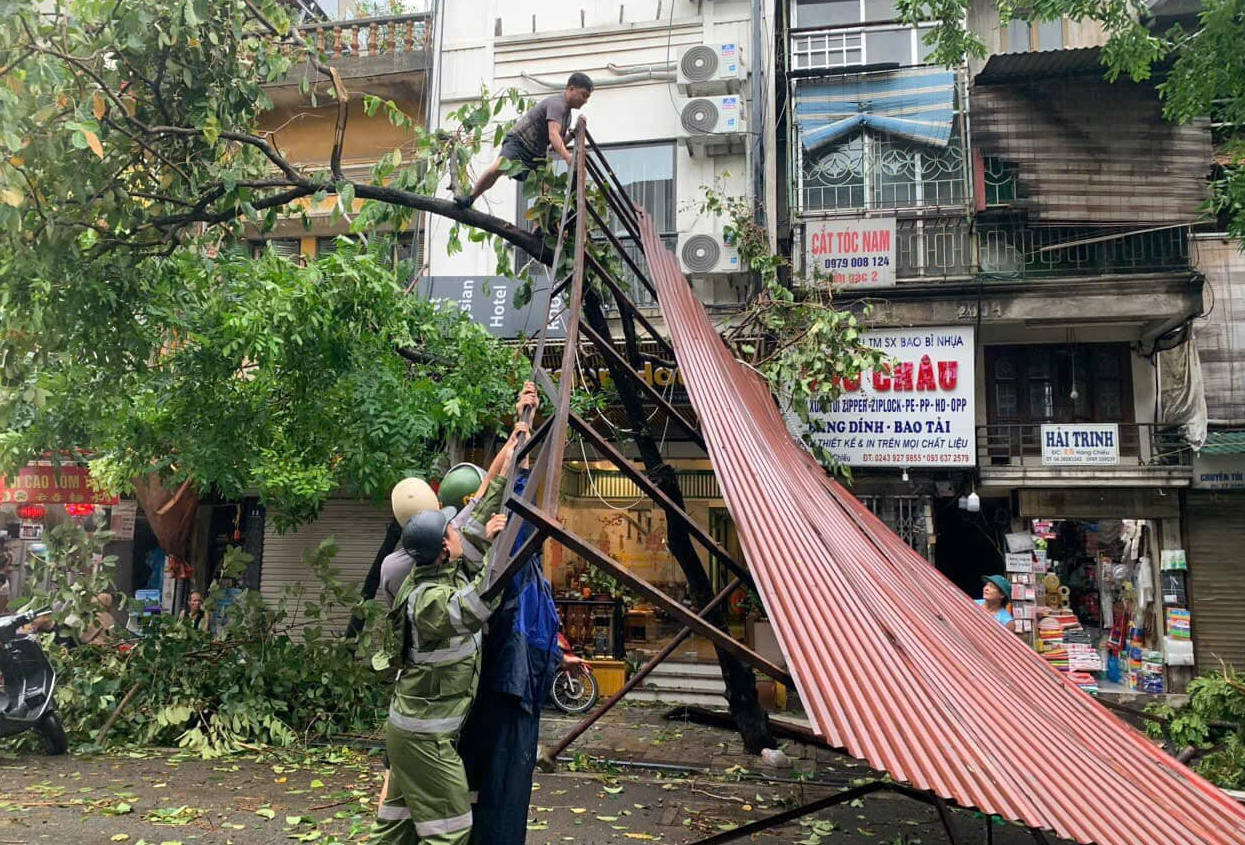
{"points": [[439, 615]]}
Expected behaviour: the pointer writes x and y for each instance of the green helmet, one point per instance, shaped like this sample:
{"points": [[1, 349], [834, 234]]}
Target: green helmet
{"points": [[460, 484]]}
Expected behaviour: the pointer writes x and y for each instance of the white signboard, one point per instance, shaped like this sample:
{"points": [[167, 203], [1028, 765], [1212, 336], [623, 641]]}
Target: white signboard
{"points": [[121, 522], [1219, 472], [914, 411], [1081, 444], [854, 253], [1019, 562]]}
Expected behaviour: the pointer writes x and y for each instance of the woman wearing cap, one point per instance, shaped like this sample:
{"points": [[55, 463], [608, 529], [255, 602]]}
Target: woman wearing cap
{"points": [[996, 593]]}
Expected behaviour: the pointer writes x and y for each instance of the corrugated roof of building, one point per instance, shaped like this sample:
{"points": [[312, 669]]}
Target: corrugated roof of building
{"points": [[1013, 67], [1224, 442], [898, 667]]}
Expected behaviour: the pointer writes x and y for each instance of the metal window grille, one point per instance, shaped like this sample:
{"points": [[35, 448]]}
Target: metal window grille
{"points": [[930, 247], [1014, 249], [871, 170]]}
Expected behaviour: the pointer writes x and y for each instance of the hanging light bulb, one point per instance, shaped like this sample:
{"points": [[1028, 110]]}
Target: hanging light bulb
{"points": [[1074, 395], [905, 473], [973, 503]]}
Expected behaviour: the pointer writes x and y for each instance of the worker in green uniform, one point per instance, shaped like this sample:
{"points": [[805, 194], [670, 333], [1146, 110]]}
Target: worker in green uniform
{"points": [[437, 619]]}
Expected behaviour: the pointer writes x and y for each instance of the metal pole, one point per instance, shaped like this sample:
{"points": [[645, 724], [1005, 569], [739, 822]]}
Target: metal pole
{"points": [[548, 758], [791, 815], [557, 437]]}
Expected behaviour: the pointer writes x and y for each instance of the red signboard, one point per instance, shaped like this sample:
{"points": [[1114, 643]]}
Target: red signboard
{"points": [[53, 485]]}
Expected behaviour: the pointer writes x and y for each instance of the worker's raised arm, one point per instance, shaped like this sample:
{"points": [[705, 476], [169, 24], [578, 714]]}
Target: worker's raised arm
{"points": [[555, 141]]}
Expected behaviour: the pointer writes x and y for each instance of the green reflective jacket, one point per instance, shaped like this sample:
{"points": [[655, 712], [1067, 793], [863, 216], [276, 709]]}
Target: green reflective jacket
{"points": [[437, 621]]}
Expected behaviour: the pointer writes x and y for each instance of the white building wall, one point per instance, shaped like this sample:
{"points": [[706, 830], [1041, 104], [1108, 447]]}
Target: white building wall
{"points": [[539, 41]]}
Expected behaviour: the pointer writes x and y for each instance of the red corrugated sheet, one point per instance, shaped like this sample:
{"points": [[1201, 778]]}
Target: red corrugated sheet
{"points": [[897, 666]]}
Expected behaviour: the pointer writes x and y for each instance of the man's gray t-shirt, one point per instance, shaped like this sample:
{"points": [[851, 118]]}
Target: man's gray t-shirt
{"points": [[532, 129]]}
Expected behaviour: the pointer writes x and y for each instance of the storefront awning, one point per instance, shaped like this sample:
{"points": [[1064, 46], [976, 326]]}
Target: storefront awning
{"points": [[917, 104], [1224, 443]]}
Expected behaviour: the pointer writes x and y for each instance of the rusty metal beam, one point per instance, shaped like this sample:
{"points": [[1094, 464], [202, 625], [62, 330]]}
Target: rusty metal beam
{"points": [[655, 493], [651, 392], [548, 758], [599, 559], [557, 437]]}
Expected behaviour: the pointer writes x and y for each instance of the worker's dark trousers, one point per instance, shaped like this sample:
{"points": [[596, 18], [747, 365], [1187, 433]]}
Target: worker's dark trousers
{"points": [[499, 750]]}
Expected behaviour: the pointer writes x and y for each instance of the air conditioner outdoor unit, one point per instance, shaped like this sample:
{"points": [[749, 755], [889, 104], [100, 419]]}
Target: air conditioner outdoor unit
{"points": [[714, 125], [702, 254], [711, 69]]}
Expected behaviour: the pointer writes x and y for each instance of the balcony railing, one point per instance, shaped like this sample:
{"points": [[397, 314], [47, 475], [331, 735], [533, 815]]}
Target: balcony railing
{"points": [[933, 247], [1141, 445], [1015, 250], [370, 36]]}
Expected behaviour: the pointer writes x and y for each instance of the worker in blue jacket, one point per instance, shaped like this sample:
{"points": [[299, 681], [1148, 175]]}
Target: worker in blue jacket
{"points": [[521, 656]]}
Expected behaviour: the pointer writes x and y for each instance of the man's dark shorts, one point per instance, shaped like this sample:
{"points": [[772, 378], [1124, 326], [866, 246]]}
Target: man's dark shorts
{"points": [[513, 150]]}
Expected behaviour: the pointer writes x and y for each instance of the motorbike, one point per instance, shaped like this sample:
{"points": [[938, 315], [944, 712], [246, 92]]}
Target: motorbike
{"points": [[27, 699], [572, 694]]}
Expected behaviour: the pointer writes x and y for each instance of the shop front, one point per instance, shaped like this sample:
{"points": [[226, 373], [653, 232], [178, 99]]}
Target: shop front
{"points": [[1098, 586], [600, 618]]}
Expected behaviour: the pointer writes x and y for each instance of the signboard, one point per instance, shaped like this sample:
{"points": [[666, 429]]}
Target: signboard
{"points": [[1081, 444], [121, 522], [914, 411], [46, 484], [854, 253], [489, 301], [30, 531], [1019, 562], [1219, 472]]}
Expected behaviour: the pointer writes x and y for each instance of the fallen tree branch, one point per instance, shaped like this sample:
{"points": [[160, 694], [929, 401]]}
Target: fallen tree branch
{"points": [[112, 720]]}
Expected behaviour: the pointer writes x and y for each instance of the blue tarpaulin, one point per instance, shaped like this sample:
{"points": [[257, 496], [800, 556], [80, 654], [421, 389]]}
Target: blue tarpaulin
{"points": [[917, 104]]}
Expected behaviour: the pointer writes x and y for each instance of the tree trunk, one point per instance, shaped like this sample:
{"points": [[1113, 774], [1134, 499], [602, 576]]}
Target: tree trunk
{"points": [[741, 694], [372, 582]]}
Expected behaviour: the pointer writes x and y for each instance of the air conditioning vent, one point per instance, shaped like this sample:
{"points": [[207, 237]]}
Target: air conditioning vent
{"points": [[699, 64], [710, 69], [701, 116], [702, 254], [713, 125]]}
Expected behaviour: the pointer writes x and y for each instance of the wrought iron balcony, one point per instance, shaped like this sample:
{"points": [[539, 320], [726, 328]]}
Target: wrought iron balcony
{"points": [[1012, 249]]}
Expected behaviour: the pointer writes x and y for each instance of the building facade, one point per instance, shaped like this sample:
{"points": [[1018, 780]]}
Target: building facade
{"points": [[993, 222]]}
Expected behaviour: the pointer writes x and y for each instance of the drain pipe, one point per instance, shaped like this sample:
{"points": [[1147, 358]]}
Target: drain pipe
{"points": [[625, 79]]}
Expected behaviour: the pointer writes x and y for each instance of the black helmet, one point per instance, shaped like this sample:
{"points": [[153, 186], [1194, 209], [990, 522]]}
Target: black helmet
{"points": [[424, 534]]}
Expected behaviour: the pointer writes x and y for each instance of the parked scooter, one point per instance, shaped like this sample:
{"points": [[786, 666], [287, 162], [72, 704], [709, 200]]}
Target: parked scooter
{"points": [[572, 694], [27, 700]]}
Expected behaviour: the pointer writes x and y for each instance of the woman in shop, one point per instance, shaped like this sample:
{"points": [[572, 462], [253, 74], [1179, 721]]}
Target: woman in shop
{"points": [[996, 593], [194, 613]]}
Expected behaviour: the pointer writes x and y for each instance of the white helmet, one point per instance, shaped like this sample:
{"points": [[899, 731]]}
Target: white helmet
{"points": [[411, 496]]}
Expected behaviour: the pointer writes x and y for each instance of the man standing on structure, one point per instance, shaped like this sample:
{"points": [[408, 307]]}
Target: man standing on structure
{"points": [[536, 131]]}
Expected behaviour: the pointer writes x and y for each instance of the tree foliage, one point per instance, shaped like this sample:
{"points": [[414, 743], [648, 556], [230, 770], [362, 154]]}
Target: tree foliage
{"points": [[134, 329], [1212, 722], [264, 676]]}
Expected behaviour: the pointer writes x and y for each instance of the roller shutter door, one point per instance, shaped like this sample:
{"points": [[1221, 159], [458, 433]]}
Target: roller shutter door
{"points": [[359, 528], [1216, 539]]}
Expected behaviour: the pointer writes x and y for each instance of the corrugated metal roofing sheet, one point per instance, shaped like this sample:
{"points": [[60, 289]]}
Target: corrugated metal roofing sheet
{"points": [[1011, 67], [1224, 443], [895, 664]]}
